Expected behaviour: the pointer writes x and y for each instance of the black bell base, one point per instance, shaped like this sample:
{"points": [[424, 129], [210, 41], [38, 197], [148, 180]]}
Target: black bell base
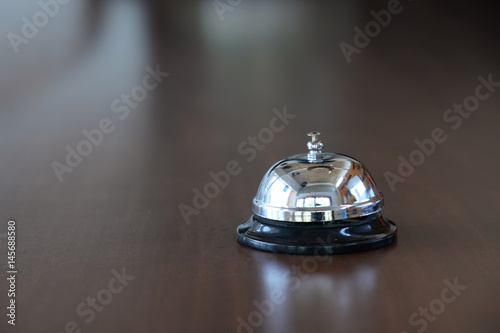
{"points": [[319, 238]]}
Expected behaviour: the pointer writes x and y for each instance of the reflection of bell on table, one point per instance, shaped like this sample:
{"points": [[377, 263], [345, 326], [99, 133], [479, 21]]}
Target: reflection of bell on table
{"points": [[317, 203]]}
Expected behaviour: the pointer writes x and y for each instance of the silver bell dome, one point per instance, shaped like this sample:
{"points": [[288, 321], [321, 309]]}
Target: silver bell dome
{"points": [[317, 187]]}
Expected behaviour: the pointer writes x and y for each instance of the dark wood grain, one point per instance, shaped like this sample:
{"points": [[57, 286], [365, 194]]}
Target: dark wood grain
{"points": [[119, 209]]}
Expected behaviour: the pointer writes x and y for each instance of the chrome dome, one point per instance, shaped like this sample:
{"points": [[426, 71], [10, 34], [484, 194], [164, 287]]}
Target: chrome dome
{"points": [[317, 187]]}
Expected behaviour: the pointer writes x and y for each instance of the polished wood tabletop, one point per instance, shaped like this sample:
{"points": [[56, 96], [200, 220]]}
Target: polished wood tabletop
{"points": [[134, 135]]}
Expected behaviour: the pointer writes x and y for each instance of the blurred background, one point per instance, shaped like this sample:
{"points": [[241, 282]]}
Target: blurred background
{"points": [[233, 64], [67, 65]]}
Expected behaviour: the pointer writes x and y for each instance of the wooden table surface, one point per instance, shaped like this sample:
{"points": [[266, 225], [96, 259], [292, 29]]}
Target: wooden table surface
{"points": [[111, 240]]}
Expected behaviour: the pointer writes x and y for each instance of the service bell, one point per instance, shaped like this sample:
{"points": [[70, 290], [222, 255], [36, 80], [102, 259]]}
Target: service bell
{"points": [[317, 203]]}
